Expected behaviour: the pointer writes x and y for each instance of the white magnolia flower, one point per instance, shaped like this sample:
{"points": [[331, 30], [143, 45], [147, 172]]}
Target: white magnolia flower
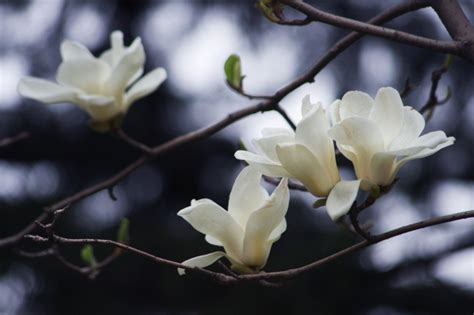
{"points": [[247, 230], [104, 87], [379, 136], [306, 155]]}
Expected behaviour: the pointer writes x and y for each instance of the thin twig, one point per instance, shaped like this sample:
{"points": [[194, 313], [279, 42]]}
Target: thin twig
{"points": [[433, 99], [285, 116], [132, 142], [11, 140]]}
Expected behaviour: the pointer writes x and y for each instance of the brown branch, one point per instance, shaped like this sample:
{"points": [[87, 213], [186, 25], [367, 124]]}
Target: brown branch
{"points": [[291, 273], [308, 76], [457, 24], [273, 276], [452, 47], [11, 140]]}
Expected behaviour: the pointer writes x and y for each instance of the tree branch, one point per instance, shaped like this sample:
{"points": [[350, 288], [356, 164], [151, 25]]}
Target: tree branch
{"points": [[457, 24], [226, 278], [11, 140], [452, 47]]}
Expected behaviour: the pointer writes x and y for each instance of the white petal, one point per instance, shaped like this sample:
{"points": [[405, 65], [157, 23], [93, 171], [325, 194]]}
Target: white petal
{"points": [[431, 139], [311, 131], [209, 218], [45, 91], [268, 132], [87, 75], [247, 195], [334, 110], [116, 51], [131, 62], [358, 139], [201, 261], [387, 112], [261, 224], [277, 232], [213, 241], [306, 105], [301, 163], [262, 163], [413, 125], [145, 86], [74, 50], [425, 152], [266, 146], [341, 198], [100, 108], [382, 167], [355, 103]]}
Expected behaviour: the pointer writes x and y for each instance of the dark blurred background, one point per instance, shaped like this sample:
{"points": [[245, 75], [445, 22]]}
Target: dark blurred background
{"points": [[426, 272]]}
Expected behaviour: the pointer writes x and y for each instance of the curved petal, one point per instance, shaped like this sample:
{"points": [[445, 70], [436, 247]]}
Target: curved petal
{"points": [[100, 108], [213, 241], [87, 75], [311, 131], [116, 51], [413, 125], [266, 146], [262, 163], [201, 261], [268, 132], [307, 106], [45, 91], [431, 139], [131, 62], [145, 86], [209, 218], [387, 112], [74, 50], [247, 195], [301, 163], [358, 139], [341, 198], [382, 167], [260, 225], [277, 232], [355, 103], [334, 110], [424, 153]]}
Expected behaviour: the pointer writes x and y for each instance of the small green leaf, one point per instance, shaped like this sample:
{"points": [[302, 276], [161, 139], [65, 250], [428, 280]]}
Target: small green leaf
{"points": [[448, 61], [375, 191], [123, 235], [233, 72], [87, 255], [265, 6], [319, 203]]}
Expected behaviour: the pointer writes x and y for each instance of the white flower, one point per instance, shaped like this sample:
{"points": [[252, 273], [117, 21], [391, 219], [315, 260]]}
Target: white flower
{"points": [[104, 87], [247, 230], [306, 155], [379, 136]]}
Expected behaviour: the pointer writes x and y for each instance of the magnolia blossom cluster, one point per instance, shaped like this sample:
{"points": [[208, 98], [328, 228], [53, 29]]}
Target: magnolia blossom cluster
{"points": [[377, 135]]}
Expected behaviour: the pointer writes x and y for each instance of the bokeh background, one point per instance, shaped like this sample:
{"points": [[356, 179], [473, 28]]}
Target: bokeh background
{"points": [[426, 272]]}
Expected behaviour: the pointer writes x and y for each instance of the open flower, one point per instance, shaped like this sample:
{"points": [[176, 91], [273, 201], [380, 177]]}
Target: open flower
{"points": [[379, 136], [306, 154], [104, 87], [253, 222]]}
